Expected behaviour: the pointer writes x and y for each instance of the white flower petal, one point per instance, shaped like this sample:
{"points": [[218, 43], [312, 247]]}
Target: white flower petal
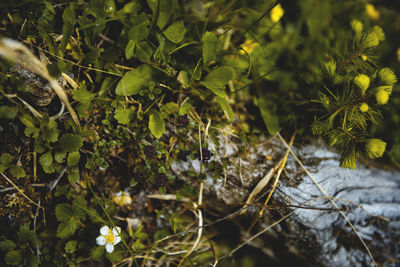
{"points": [[116, 230], [104, 230], [117, 239], [109, 247], [101, 240]]}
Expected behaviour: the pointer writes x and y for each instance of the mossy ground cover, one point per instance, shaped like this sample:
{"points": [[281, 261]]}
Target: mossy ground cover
{"points": [[152, 82]]}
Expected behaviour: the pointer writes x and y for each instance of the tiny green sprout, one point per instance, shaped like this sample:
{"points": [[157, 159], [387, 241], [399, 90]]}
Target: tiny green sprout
{"points": [[362, 81], [387, 76], [364, 107], [109, 237], [375, 148], [382, 97]]}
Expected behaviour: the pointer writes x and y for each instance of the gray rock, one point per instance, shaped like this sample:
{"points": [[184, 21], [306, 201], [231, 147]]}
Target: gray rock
{"points": [[316, 234]]}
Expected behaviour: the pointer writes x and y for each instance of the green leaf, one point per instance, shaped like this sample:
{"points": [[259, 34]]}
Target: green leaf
{"points": [[162, 189], [82, 95], [133, 182], [67, 228], [51, 134], [49, 169], [27, 120], [17, 172], [68, 26], [64, 212], [184, 78], [46, 159], [8, 113], [114, 257], [95, 216], [73, 158], [124, 116], [7, 245], [59, 156], [97, 253], [3, 167], [144, 51], [223, 102], [79, 206], [185, 108], [166, 9], [138, 32], [130, 47], [169, 108], [217, 79], [32, 131], [70, 142], [31, 260], [6, 158], [160, 234], [271, 120], [156, 124], [175, 32], [135, 80], [73, 175], [26, 235], [13, 257], [210, 43], [70, 246]]}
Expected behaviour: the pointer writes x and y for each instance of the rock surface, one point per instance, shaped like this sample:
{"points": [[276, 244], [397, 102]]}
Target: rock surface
{"points": [[315, 234]]}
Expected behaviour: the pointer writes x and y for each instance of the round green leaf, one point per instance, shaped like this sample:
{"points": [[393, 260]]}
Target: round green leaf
{"points": [[156, 124], [73, 158], [13, 257], [70, 142]]}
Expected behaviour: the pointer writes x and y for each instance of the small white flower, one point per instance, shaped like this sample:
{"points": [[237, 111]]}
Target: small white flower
{"points": [[109, 237]]}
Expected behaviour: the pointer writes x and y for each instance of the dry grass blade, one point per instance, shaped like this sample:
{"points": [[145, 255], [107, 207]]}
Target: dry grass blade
{"points": [[20, 54], [278, 174], [168, 197]]}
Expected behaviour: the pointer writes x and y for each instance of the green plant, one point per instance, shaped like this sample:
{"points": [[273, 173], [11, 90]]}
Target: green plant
{"points": [[157, 81]]}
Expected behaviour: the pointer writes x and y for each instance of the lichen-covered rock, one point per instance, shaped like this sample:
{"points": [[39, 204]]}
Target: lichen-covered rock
{"points": [[315, 234]]}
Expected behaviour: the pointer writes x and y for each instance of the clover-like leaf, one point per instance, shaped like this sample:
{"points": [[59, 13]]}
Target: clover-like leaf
{"points": [[175, 32], [135, 80]]}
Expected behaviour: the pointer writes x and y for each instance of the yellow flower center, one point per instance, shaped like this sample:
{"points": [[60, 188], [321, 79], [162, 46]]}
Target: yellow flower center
{"points": [[110, 238]]}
